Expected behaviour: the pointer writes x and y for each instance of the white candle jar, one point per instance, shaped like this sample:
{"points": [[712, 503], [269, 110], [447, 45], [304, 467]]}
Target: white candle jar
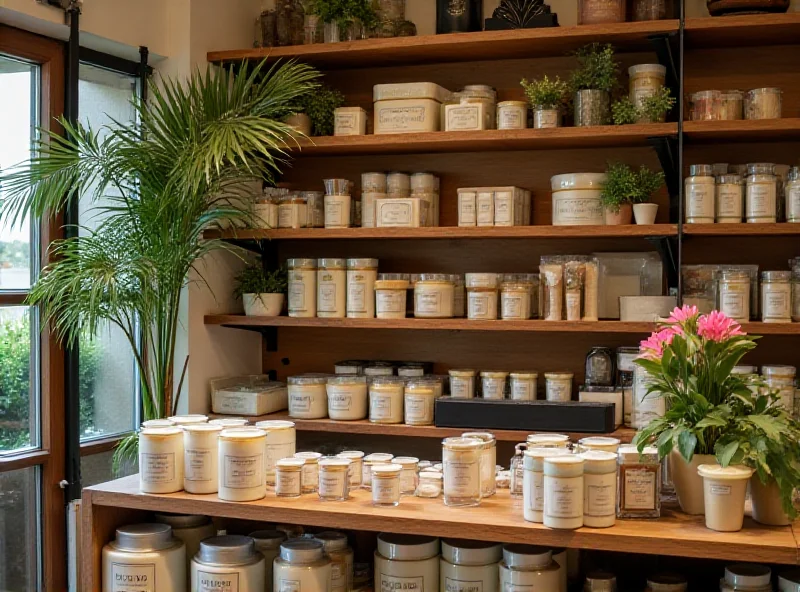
{"points": [[230, 422], [493, 385], [332, 288], [576, 199], [547, 440], [361, 277], [761, 193], [157, 423], [776, 296], [292, 211], [289, 477], [407, 562], [533, 481], [408, 473], [265, 213], [281, 443], [488, 461], [182, 420], [699, 188], [386, 485], [515, 301], [335, 547], [161, 460], [302, 567], [228, 562], [462, 383], [144, 557], [370, 461], [308, 397], [482, 294], [241, 464], [558, 386], [734, 295], [512, 115], [781, 379], [347, 397], [461, 460], [337, 211], [433, 296], [334, 479], [602, 443], [525, 567], [379, 369], [563, 491], [268, 543], [599, 488], [469, 566], [356, 458], [729, 198], [191, 529], [386, 399], [309, 477], [419, 401], [523, 386], [201, 458], [302, 278], [391, 290]]}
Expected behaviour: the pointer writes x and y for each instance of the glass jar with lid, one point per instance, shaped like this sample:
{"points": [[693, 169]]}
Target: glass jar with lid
{"points": [[638, 483], [462, 383], [493, 384], [386, 399], [763, 103], [558, 386], [361, 277], [408, 473], [485, 95], [289, 476], [515, 301], [386, 484], [161, 459], [776, 296], [308, 397], [761, 193], [729, 199], [488, 461], [528, 567], [512, 115], [734, 294], [433, 296], [706, 105], [666, 582], [731, 105], [302, 565], [144, 554], [391, 290], [337, 549], [268, 543], [302, 278], [401, 559], [482, 295], [467, 566], [370, 461], [430, 484], [309, 477], [792, 195], [331, 288], [600, 367], [522, 386], [292, 211], [461, 463], [334, 479], [700, 189], [228, 562], [265, 212], [316, 208], [347, 397], [354, 472], [746, 577], [419, 401]]}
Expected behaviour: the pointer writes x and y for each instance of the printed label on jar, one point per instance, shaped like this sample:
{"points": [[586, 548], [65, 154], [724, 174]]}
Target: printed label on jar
{"points": [[563, 497], [537, 496], [345, 124], [157, 467], [462, 479], [299, 403], [522, 390], [480, 304], [720, 489], [217, 582], [576, 207], [729, 201], [335, 213], [419, 408], [286, 216], [558, 390], [310, 475], [428, 302], [734, 304], [761, 200], [493, 388], [197, 465], [453, 585], [640, 489], [462, 387], [776, 302], [466, 209], [700, 201], [511, 118], [793, 204], [545, 118], [390, 301], [287, 482], [243, 472], [126, 577], [333, 484], [514, 305], [356, 295], [385, 491], [380, 406], [338, 574], [339, 401], [398, 584], [326, 297], [463, 117], [297, 292], [601, 495], [402, 119], [289, 586]]}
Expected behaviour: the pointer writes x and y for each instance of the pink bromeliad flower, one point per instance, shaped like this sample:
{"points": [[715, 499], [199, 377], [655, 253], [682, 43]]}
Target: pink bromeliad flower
{"points": [[717, 327], [679, 315], [653, 347]]}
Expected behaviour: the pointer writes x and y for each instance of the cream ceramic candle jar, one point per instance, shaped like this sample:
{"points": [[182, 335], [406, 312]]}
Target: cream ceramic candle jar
{"points": [[747, 577], [391, 290], [334, 479], [523, 386], [268, 543], [302, 277], [228, 562], [241, 464], [201, 458], [493, 385], [563, 491], [408, 473], [734, 294], [191, 529], [525, 567], [761, 193], [469, 566], [603, 443], [157, 423], [512, 115], [308, 397], [386, 484], [599, 488], [361, 277], [729, 198], [230, 422], [462, 383], [289, 477], [370, 461], [309, 479], [302, 567], [488, 461], [407, 562], [386, 399], [349, 121], [533, 481], [724, 490], [281, 443], [335, 547], [161, 460], [515, 301], [461, 460], [558, 386], [337, 211], [347, 397], [547, 440], [419, 399], [144, 557], [182, 420], [576, 199], [332, 288], [356, 458], [433, 296], [482, 294]]}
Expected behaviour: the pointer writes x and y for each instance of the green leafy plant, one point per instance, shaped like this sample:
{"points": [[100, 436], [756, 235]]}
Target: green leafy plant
{"points": [[157, 186], [319, 106], [345, 11], [597, 69], [624, 112], [545, 91], [624, 185], [655, 107], [254, 280]]}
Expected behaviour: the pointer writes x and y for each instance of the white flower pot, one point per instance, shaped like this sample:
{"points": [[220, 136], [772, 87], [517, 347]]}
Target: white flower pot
{"points": [[645, 213], [767, 508], [724, 491], [262, 305], [688, 484]]}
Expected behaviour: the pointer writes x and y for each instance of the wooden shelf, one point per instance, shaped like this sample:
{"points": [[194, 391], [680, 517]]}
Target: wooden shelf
{"points": [[745, 30], [743, 229], [459, 47], [455, 232], [753, 130]]}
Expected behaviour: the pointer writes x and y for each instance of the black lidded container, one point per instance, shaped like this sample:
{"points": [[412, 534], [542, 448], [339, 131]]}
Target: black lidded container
{"points": [[459, 16]]}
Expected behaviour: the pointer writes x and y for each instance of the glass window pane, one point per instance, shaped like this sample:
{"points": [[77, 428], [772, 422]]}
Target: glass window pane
{"points": [[19, 529], [98, 468], [19, 400], [18, 121], [107, 371]]}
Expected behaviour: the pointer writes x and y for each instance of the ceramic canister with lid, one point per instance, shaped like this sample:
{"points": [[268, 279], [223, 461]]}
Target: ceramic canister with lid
{"points": [[228, 562], [144, 557], [289, 477], [191, 529], [335, 547], [347, 397], [309, 479], [334, 479], [599, 488], [666, 582], [419, 400], [563, 491], [332, 288], [281, 443], [302, 566], [533, 481], [182, 420], [576, 199], [482, 295], [749, 577], [386, 484], [526, 567], [789, 581], [407, 562], [241, 464], [308, 397], [230, 422], [268, 543], [488, 461], [201, 457], [469, 566], [547, 441], [434, 295], [302, 290], [522, 386], [461, 460], [604, 443], [161, 460]]}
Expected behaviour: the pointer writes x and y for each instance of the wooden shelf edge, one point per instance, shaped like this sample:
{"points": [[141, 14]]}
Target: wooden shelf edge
{"points": [[743, 229], [742, 30], [744, 130]]}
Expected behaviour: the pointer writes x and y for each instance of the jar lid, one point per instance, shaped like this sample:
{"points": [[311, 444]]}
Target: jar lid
{"points": [[182, 520], [729, 180], [767, 90], [777, 370], [748, 575], [228, 421], [482, 280], [227, 550], [335, 463], [397, 174], [328, 263], [527, 556], [706, 94], [731, 472], [351, 454], [776, 276], [387, 381], [301, 550], [268, 539], [332, 540], [309, 457], [657, 69], [558, 375], [465, 373], [242, 433], [564, 459], [630, 453], [701, 170], [487, 437], [434, 475], [760, 168], [600, 581], [598, 460], [732, 93], [667, 582], [157, 423], [187, 419], [396, 284], [524, 375], [392, 277], [373, 174], [144, 537], [275, 424], [407, 547], [789, 581], [547, 440], [422, 385], [434, 277], [743, 370], [347, 379], [493, 374], [387, 470], [590, 441], [379, 457], [468, 552], [209, 427], [461, 443], [406, 461], [512, 104], [308, 379], [411, 371], [577, 181], [169, 432], [301, 263], [290, 463], [362, 263]]}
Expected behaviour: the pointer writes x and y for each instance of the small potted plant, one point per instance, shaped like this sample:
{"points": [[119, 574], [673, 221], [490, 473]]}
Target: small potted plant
{"points": [[318, 108], [618, 193], [546, 98], [592, 82], [344, 20], [262, 292], [647, 183], [652, 109]]}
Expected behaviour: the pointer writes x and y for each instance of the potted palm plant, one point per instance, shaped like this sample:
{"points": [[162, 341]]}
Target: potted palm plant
{"points": [[262, 292], [546, 98], [592, 82], [159, 185]]}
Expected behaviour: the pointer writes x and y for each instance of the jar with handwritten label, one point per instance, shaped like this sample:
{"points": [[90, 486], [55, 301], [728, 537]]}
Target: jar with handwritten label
{"points": [[761, 193], [461, 460], [308, 398], [228, 562], [309, 479], [407, 562], [302, 566], [482, 295], [354, 472], [241, 464], [576, 199], [638, 483], [699, 188], [462, 383], [361, 277], [734, 295], [302, 287], [161, 460], [469, 566], [288, 477], [331, 288], [142, 555], [347, 397]]}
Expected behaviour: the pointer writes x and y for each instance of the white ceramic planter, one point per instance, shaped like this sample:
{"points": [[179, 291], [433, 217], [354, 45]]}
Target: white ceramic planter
{"points": [[688, 483], [767, 508], [724, 490], [645, 213], [262, 305]]}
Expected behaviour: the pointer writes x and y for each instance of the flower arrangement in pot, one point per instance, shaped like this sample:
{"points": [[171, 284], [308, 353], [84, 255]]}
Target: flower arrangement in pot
{"points": [[717, 426], [262, 292], [592, 82], [627, 192], [546, 98]]}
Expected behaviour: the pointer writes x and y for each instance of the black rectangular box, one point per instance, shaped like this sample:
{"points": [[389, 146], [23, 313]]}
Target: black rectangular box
{"points": [[540, 416]]}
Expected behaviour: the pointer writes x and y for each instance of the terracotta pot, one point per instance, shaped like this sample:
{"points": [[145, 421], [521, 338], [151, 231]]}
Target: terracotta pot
{"points": [[262, 305], [767, 508], [623, 216], [688, 484], [645, 213], [301, 122]]}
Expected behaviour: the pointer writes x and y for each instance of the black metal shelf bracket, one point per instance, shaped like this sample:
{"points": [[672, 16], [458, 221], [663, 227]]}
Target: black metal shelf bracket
{"points": [[666, 47], [667, 247], [666, 148]]}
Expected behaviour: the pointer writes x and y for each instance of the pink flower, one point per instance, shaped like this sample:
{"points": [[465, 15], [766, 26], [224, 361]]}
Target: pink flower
{"points": [[683, 314], [653, 347], [717, 327]]}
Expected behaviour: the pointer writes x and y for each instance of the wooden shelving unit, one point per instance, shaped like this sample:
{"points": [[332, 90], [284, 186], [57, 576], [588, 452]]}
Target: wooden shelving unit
{"points": [[743, 31], [754, 130], [732, 230]]}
